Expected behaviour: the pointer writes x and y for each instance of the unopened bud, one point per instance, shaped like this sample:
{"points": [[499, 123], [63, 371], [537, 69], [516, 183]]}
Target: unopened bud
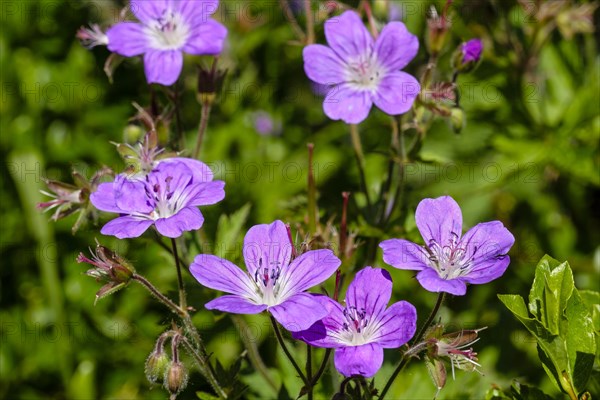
{"points": [[458, 119], [210, 82], [437, 31], [157, 365], [467, 56], [176, 378]]}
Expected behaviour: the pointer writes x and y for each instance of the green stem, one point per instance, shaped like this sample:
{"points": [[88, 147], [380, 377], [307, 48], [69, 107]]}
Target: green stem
{"points": [[309, 371], [253, 354], [287, 352], [289, 15], [158, 295], [182, 300], [310, 23], [321, 369], [405, 360], [360, 160], [204, 116], [312, 192], [204, 367]]}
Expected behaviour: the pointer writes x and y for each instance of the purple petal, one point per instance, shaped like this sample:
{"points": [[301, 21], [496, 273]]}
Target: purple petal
{"points": [[104, 198], [298, 312], [200, 171], [148, 10], [206, 38], [362, 360], [187, 219], [308, 270], [430, 280], [127, 39], [402, 254], [323, 65], [397, 325], [487, 244], [219, 274], [208, 193], [130, 196], [267, 246], [371, 290], [439, 220], [126, 227], [350, 105], [396, 93], [320, 333], [348, 36], [396, 46], [235, 304], [196, 11], [163, 66]]}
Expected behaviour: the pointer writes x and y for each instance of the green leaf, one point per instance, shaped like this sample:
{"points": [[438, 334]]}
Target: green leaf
{"points": [[206, 396], [229, 227], [562, 325], [552, 287]]}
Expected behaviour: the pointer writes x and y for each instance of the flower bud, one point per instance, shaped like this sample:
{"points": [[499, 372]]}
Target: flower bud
{"points": [[157, 365], [176, 377], [467, 56], [210, 82], [437, 31], [108, 266], [458, 119]]}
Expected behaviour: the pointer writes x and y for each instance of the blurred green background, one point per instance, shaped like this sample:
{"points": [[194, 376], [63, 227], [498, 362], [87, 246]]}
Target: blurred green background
{"points": [[528, 156]]}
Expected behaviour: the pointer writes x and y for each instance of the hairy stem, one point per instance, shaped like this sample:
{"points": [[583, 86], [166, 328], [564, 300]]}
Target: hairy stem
{"points": [[360, 160], [182, 299], [158, 295], [204, 116], [287, 352], [405, 360], [253, 354]]}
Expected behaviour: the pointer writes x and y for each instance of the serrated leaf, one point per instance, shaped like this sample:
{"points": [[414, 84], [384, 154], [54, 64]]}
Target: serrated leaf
{"points": [[562, 325]]}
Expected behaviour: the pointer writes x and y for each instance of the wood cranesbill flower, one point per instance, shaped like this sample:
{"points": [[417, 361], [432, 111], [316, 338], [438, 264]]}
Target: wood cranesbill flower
{"points": [[273, 281], [361, 71], [360, 330], [168, 198], [167, 29], [448, 261]]}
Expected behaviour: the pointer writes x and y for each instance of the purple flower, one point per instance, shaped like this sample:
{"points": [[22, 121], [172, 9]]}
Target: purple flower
{"points": [[167, 197], [362, 71], [471, 50], [448, 262], [365, 326], [167, 29], [264, 123], [271, 282]]}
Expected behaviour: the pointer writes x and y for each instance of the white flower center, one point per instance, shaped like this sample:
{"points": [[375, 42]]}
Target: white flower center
{"points": [[358, 329], [167, 201], [365, 72], [267, 282], [169, 32], [450, 260]]}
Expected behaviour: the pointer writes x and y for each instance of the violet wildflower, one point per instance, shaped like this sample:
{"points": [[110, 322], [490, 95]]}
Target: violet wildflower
{"points": [[365, 326], [362, 71], [167, 29], [273, 282], [448, 261], [467, 56], [167, 197], [265, 124]]}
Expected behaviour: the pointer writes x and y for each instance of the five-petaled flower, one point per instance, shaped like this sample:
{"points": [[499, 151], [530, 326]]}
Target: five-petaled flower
{"points": [[273, 282], [448, 262], [361, 71], [167, 197], [365, 326], [167, 29]]}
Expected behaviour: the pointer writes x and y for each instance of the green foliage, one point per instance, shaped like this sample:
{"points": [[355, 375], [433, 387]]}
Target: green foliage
{"points": [[561, 323]]}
